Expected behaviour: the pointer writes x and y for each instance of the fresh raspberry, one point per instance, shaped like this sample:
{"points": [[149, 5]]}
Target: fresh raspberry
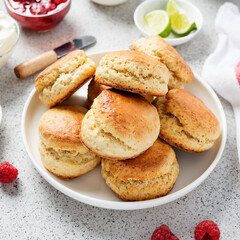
{"points": [[20, 7], [207, 230], [38, 9], [163, 233], [48, 5], [8, 172]]}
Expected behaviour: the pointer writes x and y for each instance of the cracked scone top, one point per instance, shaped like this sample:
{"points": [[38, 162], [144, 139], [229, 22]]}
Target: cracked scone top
{"points": [[161, 50], [94, 89], [133, 71], [60, 146], [186, 122], [61, 79], [150, 175], [120, 125]]}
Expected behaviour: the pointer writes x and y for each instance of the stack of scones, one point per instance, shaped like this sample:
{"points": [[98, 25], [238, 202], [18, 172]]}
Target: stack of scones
{"points": [[138, 111]]}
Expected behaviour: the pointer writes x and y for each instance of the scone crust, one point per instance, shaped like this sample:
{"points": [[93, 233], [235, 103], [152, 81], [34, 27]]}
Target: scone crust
{"points": [[61, 79], [133, 71], [186, 122], [150, 175], [158, 48], [120, 125], [61, 149], [95, 88], [67, 164], [60, 127]]}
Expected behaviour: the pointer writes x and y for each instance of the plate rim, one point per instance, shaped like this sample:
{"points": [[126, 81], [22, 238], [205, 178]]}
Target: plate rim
{"points": [[114, 205]]}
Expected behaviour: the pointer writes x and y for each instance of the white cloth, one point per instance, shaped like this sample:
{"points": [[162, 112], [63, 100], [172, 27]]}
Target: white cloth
{"points": [[219, 69], [222, 68]]}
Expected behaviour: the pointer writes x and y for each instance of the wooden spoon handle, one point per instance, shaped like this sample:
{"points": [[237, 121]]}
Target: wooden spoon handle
{"points": [[35, 64], [237, 119]]}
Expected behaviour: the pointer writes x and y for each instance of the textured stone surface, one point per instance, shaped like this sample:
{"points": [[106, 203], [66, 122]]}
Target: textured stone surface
{"points": [[30, 208]]}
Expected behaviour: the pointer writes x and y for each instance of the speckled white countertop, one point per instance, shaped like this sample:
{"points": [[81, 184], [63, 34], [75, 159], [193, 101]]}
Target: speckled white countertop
{"points": [[30, 208]]}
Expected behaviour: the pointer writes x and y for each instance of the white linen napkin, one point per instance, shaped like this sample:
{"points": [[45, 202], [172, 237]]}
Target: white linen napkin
{"points": [[222, 68]]}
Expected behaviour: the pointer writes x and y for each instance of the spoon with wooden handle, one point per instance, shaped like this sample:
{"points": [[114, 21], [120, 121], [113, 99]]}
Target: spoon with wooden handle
{"points": [[37, 63]]}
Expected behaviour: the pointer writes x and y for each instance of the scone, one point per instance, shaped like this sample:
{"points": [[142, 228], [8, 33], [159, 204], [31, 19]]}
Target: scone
{"points": [[120, 125], [94, 89], [186, 122], [133, 71], [61, 150], [150, 175], [158, 48], [61, 79]]}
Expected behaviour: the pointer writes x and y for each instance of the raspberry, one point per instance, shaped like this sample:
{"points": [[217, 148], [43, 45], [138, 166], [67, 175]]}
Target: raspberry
{"points": [[20, 7], [163, 233], [8, 172], [38, 9], [48, 5], [207, 230]]}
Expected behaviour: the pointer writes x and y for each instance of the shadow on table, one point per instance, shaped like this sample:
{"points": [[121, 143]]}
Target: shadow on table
{"points": [[12, 188], [51, 39]]}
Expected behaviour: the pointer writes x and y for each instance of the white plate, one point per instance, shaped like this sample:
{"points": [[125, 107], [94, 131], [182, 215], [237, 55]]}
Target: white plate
{"points": [[91, 188], [150, 5]]}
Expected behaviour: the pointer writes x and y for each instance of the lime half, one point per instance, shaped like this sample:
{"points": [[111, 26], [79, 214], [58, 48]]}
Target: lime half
{"points": [[181, 24], [158, 22], [172, 7]]}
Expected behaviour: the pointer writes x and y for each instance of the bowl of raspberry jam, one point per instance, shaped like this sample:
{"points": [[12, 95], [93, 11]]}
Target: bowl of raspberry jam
{"points": [[38, 15]]}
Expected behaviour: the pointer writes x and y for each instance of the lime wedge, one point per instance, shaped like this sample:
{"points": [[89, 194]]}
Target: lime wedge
{"points": [[181, 24], [158, 22], [172, 7]]}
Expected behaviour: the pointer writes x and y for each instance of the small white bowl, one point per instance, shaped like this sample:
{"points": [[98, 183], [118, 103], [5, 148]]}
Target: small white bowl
{"points": [[7, 54], [109, 2], [150, 5]]}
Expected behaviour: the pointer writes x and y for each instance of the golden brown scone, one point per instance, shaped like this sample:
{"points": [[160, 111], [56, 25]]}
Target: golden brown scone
{"points": [[120, 125], [133, 71], [186, 122], [62, 152], [150, 175], [158, 48], [61, 79], [94, 89]]}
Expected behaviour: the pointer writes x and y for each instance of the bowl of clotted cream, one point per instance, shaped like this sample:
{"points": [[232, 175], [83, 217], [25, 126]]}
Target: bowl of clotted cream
{"points": [[9, 35]]}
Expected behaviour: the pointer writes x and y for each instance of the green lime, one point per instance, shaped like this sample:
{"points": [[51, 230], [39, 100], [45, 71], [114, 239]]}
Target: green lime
{"points": [[172, 7], [158, 22], [181, 24]]}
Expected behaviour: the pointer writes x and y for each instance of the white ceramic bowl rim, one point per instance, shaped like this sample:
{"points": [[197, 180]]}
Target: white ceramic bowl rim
{"points": [[35, 16], [16, 41], [131, 205], [109, 2]]}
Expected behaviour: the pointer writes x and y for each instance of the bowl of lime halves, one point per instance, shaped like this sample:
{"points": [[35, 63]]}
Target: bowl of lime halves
{"points": [[177, 21]]}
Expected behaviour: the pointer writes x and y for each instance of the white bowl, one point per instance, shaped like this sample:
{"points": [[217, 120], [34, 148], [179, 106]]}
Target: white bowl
{"points": [[90, 188], [150, 5], [7, 54], [109, 2]]}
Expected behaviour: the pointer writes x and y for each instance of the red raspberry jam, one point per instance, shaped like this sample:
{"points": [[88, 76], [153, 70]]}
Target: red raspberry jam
{"points": [[38, 15]]}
